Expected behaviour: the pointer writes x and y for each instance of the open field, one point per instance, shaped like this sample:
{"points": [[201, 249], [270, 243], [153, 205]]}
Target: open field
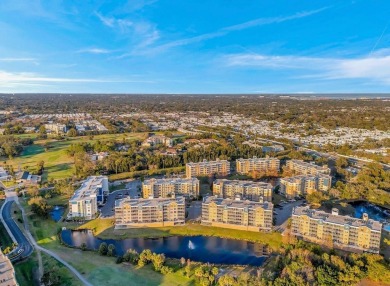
{"points": [[26, 271], [58, 164], [104, 228]]}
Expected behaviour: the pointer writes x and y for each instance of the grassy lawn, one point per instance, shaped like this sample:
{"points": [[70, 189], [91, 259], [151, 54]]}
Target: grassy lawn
{"points": [[26, 271], [104, 228], [57, 163]]}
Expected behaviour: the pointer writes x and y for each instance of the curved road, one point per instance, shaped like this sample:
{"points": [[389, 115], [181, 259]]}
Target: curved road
{"points": [[24, 242], [21, 240]]}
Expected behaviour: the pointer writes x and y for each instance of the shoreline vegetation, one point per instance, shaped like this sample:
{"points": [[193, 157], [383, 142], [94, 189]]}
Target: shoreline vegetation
{"points": [[104, 228]]}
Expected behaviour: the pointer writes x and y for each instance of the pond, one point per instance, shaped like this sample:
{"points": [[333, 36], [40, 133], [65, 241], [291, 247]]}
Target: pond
{"points": [[56, 213], [197, 248]]}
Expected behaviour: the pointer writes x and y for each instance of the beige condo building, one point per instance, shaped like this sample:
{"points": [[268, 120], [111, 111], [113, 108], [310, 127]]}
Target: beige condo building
{"points": [[304, 184], [262, 165], [254, 191], [237, 214], [208, 168], [166, 187], [149, 212], [343, 232], [300, 167], [7, 272]]}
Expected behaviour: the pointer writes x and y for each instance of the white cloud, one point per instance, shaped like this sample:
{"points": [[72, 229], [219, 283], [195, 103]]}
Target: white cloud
{"points": [[12, 78], [373, 67], [18, 60], [94, 51], [112, 22], [226, 30]]}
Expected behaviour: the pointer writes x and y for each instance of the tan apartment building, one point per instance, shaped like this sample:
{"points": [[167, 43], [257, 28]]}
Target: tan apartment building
{"points": [[261, 165], [237, 214], [7, 272], [208, 168], [304, 184], [253, 191], [85, 200], [300, 167], [343, 232], [149, 212], [166, 187]]}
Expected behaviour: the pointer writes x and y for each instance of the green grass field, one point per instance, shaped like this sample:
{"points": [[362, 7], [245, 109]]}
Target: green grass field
{"points": [[58, 164]]}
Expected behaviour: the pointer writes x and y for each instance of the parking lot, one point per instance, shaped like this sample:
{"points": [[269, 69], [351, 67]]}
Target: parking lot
{"points": [[132, 189]]}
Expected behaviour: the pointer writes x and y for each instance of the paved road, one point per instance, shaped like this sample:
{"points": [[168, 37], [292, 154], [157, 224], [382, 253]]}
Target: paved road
{"points": [[21, 240], [131, 190]]}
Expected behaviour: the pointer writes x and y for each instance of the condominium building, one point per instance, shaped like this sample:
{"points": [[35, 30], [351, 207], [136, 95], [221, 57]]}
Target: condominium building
{"points": [[208, 168], [7, 272], [167, 187], [156, 140], [84, 202], [261, 165], [300, 167], [56, 128], [344, 232], [149, 212], [4, 175], [237, 214], [254, 191], [304, 184]]}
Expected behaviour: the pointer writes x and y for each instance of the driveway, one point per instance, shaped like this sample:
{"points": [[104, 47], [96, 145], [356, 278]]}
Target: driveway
{"points": [[195, 210], [131, 190], [284, 213]]}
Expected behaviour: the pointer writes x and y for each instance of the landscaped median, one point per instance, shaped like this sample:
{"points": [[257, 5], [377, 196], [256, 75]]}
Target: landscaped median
{"points": [[104, 228]]}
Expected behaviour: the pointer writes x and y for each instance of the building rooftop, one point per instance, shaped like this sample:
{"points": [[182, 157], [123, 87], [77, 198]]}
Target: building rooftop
{"points": [[257, 159], [171, 181], [244, 183], [347, 221], [205, 162], [306, 164], [237, 203], [89, 188], [149, 202]]}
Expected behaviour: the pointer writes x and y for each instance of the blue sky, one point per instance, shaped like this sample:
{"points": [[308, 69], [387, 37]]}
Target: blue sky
{"points": [[194, 46]]}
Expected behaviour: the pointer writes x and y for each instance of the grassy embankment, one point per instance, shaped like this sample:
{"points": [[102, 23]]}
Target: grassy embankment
{"points": [[104, 228], [58, 164]]}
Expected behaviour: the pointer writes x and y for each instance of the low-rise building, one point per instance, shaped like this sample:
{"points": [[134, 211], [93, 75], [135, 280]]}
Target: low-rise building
{"points": [[172, 186], [237, 214], [28, 179], [304, 184], [261, 165], [155, 212], [156, 140], [84, 202], [98, 156], [254, 191], [56, 128], [208, 168], [344, 232], [300, 167], [4, 175], [7, 272]]}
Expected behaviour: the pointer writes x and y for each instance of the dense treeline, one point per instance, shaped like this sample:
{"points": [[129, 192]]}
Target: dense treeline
{"points": [[372, 183], [368, 113], [308, 264], [11, 146]]}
